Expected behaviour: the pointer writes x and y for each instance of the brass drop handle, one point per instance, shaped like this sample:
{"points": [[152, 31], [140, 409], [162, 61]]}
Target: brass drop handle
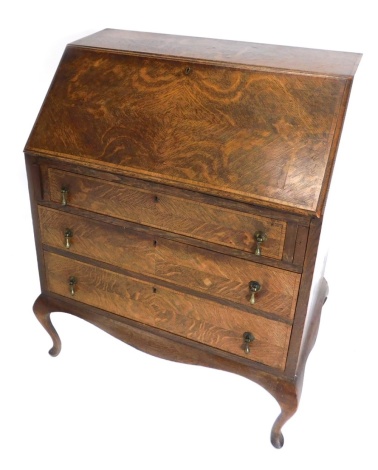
{"points": [[67, 238], [254, 287], [248, 338], [64, 194], [71, 283], [260, 237]]}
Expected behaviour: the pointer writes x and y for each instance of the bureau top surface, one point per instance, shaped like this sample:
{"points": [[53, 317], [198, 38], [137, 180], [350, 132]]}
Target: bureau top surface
{"points": [[231, 52], [254, 123]]}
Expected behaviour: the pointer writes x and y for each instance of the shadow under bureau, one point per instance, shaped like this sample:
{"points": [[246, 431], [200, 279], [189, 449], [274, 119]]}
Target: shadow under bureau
{"points": [[178, 188]]}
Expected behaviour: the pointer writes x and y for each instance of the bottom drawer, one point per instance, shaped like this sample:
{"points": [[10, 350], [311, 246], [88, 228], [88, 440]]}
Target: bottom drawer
{"points": [[185, 315]]}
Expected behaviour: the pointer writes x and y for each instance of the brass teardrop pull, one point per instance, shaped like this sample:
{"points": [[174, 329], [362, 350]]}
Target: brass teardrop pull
{"points": [[64, 196], [260, 238], [71, 283], [248, 338], [67, 238], [254, 287]]}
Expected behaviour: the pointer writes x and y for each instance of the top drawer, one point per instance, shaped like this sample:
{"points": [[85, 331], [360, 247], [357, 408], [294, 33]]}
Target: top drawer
{"points": [[175, 214]]}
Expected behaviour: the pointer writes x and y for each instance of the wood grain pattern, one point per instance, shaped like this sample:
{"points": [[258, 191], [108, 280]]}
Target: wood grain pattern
{"points": [[183, 265], [227, 277], [230, 53], [103, 242], [271, 133], [203, 321], [97, 171], [175, 151], [179, 215]]}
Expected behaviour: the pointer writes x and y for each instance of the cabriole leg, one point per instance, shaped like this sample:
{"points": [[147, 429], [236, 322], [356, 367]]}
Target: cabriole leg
{"points": [[276, 436], [287, 395], [42, 309]]}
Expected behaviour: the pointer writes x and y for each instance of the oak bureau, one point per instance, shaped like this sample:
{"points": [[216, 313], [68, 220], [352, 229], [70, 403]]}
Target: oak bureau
{"points": [[178, 188]]}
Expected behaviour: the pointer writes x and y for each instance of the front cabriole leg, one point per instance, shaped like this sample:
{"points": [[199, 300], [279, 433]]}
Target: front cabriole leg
{"points": [[288, 393], [287, 396], [276, 436], [42, 308]]}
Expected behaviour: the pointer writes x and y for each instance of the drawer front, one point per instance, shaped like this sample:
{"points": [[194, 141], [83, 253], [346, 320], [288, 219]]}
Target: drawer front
{"points": [[184, 315], [179, 215], [184, 265], [228, 277], [103, 242]]}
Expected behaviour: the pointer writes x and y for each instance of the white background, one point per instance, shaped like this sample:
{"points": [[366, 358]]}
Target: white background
{"points": [[102, 404]]}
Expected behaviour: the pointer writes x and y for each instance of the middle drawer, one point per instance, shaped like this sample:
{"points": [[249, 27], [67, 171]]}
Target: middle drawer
{"points": [[196, 268]]}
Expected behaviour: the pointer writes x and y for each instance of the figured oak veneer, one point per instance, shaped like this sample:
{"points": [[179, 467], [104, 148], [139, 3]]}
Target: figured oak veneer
{"points": [[127, 249], [159, 107], [228, 277], [184, 265], [156, 165], [185, 315], [178, 215]]}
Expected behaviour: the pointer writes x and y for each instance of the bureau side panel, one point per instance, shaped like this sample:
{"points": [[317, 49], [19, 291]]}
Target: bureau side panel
{"points": [[36, 194], [311, 292]]}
